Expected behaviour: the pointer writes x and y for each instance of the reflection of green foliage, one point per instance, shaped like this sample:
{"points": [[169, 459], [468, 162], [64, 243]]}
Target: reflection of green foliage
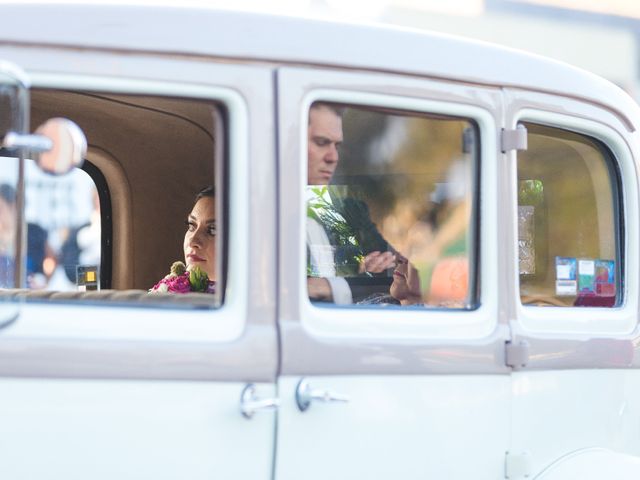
{"points": [[348, 254], [530, 192], [323, 211]]}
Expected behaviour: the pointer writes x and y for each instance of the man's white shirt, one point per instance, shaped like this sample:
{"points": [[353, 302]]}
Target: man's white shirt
{"points": [[322, 262]]}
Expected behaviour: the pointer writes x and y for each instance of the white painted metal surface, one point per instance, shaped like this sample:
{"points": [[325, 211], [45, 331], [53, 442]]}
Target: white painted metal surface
{"points": [[78, 429], [116, 392], [409, 427], [557, 413], [594, 464], [210, 32]]}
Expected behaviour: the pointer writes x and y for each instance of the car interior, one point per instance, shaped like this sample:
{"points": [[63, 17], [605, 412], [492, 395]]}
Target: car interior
{"points": [[148, 157]]}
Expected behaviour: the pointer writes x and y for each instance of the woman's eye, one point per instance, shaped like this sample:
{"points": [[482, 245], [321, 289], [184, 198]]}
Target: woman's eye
{"points": [[212, 231], [191, 226]]}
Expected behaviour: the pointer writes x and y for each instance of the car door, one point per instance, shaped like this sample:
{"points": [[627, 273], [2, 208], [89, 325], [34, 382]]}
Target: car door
{"points": [[575, 187], [113, 384], [374, 389]]}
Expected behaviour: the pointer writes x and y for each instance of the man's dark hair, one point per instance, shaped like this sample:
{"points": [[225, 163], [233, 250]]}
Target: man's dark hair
{"points": [[337, 109]]}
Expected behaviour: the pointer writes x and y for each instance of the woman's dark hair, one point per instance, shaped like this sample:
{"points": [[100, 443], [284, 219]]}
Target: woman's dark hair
{"points": [[208, 191]]}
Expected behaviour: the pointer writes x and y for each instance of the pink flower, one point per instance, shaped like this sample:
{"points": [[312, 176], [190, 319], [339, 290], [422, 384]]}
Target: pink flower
{"points": [[173, 284], [181, 280]]}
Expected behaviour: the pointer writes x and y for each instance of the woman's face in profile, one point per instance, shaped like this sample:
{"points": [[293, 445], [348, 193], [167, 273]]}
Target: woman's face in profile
{"points": [[406, 282], [200, 238]]}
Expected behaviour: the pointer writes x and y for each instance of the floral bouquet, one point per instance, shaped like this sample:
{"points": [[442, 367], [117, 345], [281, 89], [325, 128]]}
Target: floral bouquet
{"points": [[184, 280]]}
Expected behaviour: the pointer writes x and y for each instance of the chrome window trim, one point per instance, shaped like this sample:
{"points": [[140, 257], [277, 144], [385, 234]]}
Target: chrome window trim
{"points": [[395, 324]]}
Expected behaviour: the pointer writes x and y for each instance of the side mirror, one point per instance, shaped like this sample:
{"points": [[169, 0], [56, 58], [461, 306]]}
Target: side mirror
{"points": [[58, 146]]}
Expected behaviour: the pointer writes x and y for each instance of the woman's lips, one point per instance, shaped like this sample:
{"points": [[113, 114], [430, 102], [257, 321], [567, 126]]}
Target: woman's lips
{"points": [[195, 258], [398, 274]]}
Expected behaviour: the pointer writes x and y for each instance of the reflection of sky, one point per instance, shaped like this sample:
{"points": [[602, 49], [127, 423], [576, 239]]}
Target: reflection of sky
{"points": [[52, 201]]}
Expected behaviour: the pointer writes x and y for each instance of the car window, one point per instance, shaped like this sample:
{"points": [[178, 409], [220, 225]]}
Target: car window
{"points": [[568, 221], [391, 201], [116, 229]]}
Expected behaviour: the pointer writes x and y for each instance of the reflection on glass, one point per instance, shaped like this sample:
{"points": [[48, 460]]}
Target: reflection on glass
{"points": [[9, 121], [8, 222], [568, 191], [390, 200], [63, 226], [9, 111]]}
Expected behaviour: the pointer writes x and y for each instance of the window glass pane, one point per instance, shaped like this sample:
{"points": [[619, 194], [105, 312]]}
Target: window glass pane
{"points": [[10, 121], [390, 208], [112, 231], [8, 220], [567, 221]]}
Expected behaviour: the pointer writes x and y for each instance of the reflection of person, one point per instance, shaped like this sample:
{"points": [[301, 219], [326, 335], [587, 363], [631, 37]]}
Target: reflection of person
{"points": [[7, 219], [7, 235], [89, 236], [324, 139], [36, 253]]}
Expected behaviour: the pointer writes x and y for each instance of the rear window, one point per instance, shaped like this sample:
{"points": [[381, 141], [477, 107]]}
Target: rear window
{"points": [[569, 223]]}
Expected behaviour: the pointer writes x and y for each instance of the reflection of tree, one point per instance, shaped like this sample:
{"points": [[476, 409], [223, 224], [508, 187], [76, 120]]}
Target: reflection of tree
{"points": [[347, 222]]}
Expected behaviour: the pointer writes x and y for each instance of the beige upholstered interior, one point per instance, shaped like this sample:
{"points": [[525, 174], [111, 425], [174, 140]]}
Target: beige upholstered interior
{"points": [[155, 154]]}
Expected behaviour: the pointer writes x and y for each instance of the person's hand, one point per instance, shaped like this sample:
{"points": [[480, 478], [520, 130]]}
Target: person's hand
{"points": [[377, 262], [319, 289]]}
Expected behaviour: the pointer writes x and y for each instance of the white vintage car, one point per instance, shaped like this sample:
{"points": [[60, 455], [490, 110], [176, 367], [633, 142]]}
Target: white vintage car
{"points": [[453, 296]]}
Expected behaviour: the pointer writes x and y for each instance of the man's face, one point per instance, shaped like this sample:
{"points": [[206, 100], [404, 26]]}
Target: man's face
{"points": [[325, 137]]}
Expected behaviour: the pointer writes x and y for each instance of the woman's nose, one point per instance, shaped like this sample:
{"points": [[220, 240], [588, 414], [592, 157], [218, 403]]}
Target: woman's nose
{"points": [[196, 239]]}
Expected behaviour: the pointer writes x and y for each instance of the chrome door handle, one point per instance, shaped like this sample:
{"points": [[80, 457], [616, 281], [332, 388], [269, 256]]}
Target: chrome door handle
{"points": [[250, 403], [305, 394]]}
